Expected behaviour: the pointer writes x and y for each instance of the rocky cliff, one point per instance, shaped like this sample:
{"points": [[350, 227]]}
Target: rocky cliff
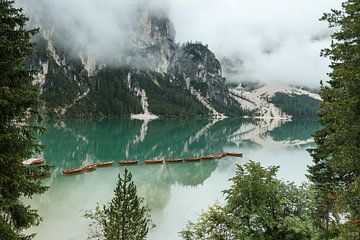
{"points": [[147, 75], [154, 76], [275, 101]]}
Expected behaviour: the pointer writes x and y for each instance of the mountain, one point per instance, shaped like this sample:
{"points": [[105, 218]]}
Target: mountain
{"points": [[147, 75], [278, 101], [153, 77]]}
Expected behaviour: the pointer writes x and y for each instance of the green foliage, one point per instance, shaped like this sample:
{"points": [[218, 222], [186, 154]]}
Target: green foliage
{"points": [[167, 99], [195, 54], [232, 108], [258, 206], [18, 100], [336, 169], [212, 224], [62, 87], [123, 218], [298, 106], [109, 95]]}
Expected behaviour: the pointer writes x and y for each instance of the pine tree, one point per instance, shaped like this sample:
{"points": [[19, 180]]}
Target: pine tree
{"points": [[123, 218], [336, 170], [18, 99]]}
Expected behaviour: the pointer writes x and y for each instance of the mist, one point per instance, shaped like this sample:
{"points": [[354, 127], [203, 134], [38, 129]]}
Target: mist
{"points": [[270, 41], [99, 28], [276, 40]]}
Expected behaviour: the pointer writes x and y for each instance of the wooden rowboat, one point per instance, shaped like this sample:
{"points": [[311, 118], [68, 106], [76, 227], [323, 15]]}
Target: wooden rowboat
{"points": [[207, 157], [153, 161], [219, 155], [192, 159], [73, 171], [129, 162], [90, 167], [33, 161], [357, 222], [234, 154], [38, 161], [174, 160], [104, 164]]}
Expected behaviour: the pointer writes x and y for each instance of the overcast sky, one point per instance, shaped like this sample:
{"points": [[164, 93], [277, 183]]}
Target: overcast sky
{"points": [[276, 40]]}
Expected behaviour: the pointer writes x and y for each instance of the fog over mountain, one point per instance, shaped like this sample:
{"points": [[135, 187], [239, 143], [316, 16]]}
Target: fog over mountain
{"points": [[276, 40], [267, 41]]}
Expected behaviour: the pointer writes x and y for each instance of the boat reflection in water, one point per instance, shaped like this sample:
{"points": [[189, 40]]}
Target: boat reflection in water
{"points": [[169, 189]]}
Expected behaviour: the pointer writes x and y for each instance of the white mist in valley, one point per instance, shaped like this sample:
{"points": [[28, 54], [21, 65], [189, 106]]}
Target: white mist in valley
{"points": [[264, 41]]}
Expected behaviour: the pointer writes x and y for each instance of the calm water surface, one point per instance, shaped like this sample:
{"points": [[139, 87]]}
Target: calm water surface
{"points": [[175, 193]]}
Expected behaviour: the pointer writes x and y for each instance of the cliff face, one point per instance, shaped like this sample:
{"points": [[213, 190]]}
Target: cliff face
{"points": [[154, 75], [274, 101], [156, 41]]}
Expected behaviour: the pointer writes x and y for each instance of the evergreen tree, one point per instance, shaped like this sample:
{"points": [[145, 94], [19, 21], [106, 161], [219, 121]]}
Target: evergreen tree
{"points": [[336, 170], [123, 218], [18, 99]]}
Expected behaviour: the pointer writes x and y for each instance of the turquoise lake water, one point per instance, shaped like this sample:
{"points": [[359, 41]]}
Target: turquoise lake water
{"points": [[175, 193]]}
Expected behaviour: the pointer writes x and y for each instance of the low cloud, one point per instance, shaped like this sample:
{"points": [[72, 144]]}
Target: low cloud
{"points": [[276, 40], [268, 40], [103, 28]]}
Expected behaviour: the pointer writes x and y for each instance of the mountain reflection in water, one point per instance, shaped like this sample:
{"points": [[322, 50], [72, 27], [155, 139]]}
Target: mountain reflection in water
{"points": [[174, 192]]}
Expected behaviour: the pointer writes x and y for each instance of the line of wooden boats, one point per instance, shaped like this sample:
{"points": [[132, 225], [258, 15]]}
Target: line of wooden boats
{"points": [[92, 167]]}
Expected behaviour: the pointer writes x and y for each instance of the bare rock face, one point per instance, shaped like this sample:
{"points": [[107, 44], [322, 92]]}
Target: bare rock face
{"points": [[155, 42], [275, 101], [75, 81], [203, 72]]}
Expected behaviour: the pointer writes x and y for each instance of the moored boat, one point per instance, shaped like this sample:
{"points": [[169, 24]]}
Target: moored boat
{"points": [[128, 162], [233, 154], [192, 159], [153, 161], [357, 222], [104, 164], [33, 161], [90, 167], [207, 157], [174, 160], [219, 155], [73, 171]]}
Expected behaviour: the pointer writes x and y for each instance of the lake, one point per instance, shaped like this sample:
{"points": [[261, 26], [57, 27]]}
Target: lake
{"points": [[175, 192]]}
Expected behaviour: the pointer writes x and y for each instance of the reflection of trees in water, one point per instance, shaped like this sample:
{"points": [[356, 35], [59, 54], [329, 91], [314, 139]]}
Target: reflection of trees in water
{"points": [[274, 133], [77, 143], [295, 130], [193, 174], [71, 145], [68, 146], [167, 139], [186, 138], [154, 182]]}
